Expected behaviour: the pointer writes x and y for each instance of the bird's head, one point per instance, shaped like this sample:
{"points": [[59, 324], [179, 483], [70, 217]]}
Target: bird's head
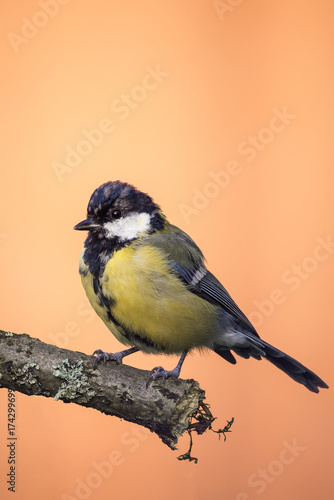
{"points": [[120, 212]]}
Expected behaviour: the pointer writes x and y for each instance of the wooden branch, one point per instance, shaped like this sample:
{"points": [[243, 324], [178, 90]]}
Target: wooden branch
{"points": [[34, 368]]}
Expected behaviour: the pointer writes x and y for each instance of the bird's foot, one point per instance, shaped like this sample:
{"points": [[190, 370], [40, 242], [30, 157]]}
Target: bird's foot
{"points": [[107, 356], [160, 372], [112, 356]]}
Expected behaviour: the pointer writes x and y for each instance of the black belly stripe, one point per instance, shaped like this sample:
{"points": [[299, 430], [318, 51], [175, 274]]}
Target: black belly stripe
{"points": [[107, 304], [96, 266], [133, 338]]}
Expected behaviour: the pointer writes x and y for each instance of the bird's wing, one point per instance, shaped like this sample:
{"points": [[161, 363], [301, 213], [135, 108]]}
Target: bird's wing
{"points": [[187, 261]]}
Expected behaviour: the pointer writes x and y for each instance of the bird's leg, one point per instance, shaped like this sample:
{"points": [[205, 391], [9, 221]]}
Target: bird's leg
{"points": [[114, 356], [159, 372]]}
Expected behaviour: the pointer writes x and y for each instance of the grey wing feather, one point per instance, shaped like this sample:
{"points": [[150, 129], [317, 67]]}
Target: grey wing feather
{"points": [[187, 261], [211, 289]]}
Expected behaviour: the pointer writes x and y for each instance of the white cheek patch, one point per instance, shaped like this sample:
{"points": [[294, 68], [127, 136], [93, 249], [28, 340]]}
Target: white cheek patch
{"points": [[128, 228]]}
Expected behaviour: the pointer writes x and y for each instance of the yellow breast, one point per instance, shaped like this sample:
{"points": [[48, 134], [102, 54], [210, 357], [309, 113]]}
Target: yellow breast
{"points": [[152, 302]]}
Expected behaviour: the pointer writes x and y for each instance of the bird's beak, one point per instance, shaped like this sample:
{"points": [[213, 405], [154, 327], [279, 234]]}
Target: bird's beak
{"points": [[86, 225]]}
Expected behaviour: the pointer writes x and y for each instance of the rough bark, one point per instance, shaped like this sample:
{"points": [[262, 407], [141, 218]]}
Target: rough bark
{"points": [[34, 368]]}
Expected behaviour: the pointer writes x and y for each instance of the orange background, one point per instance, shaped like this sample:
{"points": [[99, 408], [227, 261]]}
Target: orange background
{"points": [[226, 73]]}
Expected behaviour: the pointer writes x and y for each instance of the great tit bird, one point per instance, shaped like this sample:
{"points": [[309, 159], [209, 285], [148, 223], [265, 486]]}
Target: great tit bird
{"points": [[148, 282]]}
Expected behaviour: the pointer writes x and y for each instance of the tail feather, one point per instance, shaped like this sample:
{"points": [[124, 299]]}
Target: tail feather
{"points": [[258, 348]]}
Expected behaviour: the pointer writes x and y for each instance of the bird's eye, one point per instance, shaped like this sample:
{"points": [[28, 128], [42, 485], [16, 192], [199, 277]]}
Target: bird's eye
{"points": [[116, 214]]}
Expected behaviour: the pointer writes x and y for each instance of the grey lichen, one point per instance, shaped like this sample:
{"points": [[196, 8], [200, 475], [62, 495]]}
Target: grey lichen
{"points": [[25, 375], [76, 385], [34, 368]]}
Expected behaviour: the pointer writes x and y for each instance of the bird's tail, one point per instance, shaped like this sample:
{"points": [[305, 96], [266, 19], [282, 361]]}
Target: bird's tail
{"points": [[258, 349]]}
